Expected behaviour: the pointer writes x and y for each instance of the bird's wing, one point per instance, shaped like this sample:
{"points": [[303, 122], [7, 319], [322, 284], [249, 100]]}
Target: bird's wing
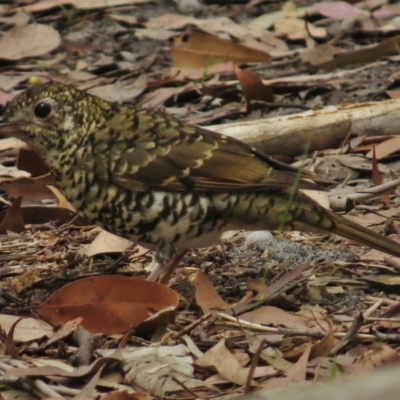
{"points": [[160, 153]]}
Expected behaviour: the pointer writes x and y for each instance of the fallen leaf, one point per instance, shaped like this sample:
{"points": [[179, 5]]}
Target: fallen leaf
{"points": [[323, 347], [28, 329], [366, 54], [31, 189], [296, 373], [340, 10], [80, 4], [29, 161], [23, 41], [211, 26], [383, 279], [207, 297], [220, 359], [156, 369], [273, 316], [13, 220], [109, 304], [106, 242], [62, 202], [121, 92], [200, 52], [253, 88], [385, 148], [295, 29], [19, 18], [64, 331]]}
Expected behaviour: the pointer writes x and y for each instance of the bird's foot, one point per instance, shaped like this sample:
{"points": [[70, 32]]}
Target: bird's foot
{"points": [[165, 262]]}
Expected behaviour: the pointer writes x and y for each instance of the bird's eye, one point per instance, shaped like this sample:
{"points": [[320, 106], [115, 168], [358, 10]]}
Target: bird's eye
{"points": [[42, 110]]}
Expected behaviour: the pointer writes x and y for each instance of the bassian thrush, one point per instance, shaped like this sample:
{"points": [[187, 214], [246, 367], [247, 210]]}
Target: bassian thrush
{"points": [[163, 183]]}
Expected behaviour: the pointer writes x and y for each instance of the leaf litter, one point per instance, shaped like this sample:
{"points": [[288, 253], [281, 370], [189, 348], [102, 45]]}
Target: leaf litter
{"points": [[267, 312]]}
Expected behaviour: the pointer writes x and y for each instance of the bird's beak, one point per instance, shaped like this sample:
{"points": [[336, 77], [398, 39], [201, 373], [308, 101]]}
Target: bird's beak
{"points": [[10, 128]]}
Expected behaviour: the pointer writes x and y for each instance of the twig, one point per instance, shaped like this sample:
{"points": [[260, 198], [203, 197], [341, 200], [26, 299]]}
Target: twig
{"points": [[286, 331], [195, 395], [253, 366], [338, 203], [350, 334], [186, 330]]}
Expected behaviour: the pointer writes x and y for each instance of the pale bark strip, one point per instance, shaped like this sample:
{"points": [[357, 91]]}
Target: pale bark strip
{"points": [[318, 129]]}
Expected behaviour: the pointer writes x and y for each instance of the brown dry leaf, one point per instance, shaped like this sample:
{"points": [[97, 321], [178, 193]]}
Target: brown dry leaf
{"points": [[10, 348], [219, 358], [11, 143], [383, 279], [19, 18], [361, 163], [378, 357], [29, 161], [13, 220], [385, 148], [62, 202], [28, 329], [56, 215], [123, 395], [79, 4], [8, 82], [106, 242], [367, 54], [199, 52], [274, 359], [289, 9], [393, 94], [109, 304], [323, 347], [121, 92], [32, 40], [207, 297], [37, 215], [156, 369], [33, 189], [212, 26], [269, 291], [268, 315], [64, 331], [253, 88], [296, 373], [126, 19], [158, 97], [58, 368], [295, 29], [319, 197], [371, 219], [340, 10], [377, 179], [5, 97]]}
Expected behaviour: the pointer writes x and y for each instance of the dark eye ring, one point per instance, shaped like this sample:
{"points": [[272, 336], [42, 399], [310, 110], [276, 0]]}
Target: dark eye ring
{"points": [[42, 110]]}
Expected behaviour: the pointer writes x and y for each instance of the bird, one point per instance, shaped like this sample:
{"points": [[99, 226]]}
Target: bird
{"points": [[163, 183]]}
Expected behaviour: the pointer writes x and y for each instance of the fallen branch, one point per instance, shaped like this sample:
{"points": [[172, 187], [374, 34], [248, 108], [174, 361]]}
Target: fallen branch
{"points": [[317, 129]]}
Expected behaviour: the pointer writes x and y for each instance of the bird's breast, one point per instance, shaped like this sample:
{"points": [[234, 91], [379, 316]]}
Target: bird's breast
{"points": [[186, 219]]}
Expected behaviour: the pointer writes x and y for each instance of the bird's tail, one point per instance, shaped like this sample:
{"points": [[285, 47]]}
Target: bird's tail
{"points": [[351, 230], [300, 212]]}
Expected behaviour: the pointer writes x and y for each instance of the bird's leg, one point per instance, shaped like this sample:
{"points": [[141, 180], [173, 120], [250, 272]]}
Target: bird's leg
{"points": [[165, 262]]}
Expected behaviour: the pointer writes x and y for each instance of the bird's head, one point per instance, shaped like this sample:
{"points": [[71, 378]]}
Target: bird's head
{"points": [[52, 116]]}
